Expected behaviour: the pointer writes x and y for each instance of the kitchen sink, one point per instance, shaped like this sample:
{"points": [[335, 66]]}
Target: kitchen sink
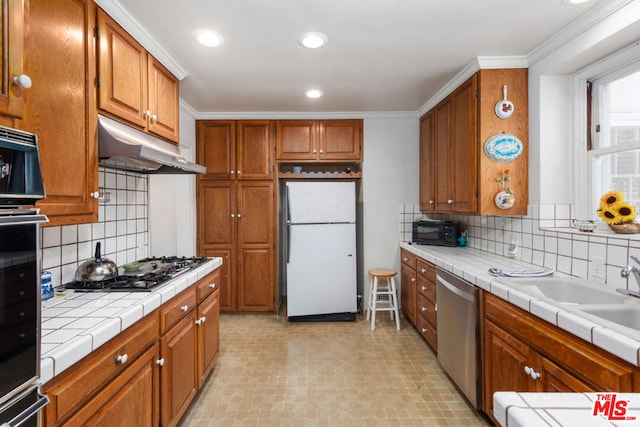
{"points": [[625, 315], [567, 290]]}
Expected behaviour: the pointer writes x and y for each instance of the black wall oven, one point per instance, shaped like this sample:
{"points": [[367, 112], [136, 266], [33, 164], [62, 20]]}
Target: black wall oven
{"points": [[20, 187]]}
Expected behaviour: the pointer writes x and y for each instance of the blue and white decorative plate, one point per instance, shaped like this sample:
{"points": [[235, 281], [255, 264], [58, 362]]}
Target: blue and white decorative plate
{"points": [[503, 147]]}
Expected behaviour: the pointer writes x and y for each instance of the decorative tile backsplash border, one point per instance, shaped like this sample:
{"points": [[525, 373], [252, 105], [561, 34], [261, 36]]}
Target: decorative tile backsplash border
{"points": [[122, 228], [543, 237]]}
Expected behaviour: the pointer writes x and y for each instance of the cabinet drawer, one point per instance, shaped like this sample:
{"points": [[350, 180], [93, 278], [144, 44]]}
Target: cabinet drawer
{"points": [[427, 288], [207, 285], [70, 390], [426, 269], [408, 258], [428, 332], [177, 308], [427, 309]]}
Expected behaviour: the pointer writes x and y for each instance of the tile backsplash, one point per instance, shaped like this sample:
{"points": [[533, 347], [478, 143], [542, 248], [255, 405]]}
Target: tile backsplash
{"points": [[122, 228], [543, 237]]}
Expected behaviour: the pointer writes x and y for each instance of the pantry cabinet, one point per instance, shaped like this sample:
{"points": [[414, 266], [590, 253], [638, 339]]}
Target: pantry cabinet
{"points": [[319, 140], [11, 58], [236, 220], [524, 353], [63, 30], [132, 85], [456, 173]]}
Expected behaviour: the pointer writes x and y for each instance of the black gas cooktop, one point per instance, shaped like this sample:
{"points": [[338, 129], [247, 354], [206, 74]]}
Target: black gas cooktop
{"points": [[150, 273]]}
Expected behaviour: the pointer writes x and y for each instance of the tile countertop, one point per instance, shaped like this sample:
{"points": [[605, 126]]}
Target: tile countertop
{"points": [[77, 323], [541, 409], [473, 266]]}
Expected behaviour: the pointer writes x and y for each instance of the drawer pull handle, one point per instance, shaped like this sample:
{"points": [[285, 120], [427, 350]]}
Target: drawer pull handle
{"points": [[184, 308], [201, 320], [198, 322], [122, 359], [212, 286], [531, 372], [160, 362]]}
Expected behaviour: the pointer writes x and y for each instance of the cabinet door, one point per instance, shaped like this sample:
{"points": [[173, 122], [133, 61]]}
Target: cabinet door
{"points": [[163, 101], [178, 375], [341, 140], [505, 358], [256, 204], [11, 56], [216, 148], [208, 336], [256, 279], [255, 149], [217, 212], [427, 163], [296, 140], [63, 29], [132, 399], [122, 71], [408, 293], [463, 155], [556, 379], [227, 277], [443, 168]]}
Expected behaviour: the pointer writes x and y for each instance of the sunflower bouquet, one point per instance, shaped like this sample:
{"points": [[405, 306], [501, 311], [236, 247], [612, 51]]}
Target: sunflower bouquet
{"points": [[617, 213]]}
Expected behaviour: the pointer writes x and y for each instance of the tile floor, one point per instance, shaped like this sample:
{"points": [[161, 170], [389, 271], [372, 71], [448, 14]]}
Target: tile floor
{"points": [[271, 372]]}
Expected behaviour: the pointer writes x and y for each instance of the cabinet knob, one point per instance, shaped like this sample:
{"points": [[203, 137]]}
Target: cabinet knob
{"points": [[423, 309], [405, 259], [184, 308], [531, 372], [233, 215], [413, 279], [430, 202], [239, 215], [160, 362], [212, 285], [122, 359], [321, 151], [424, 270], [424, 330], [94, 194], [232, 172], [314, 151], [238, 172], [154, 118], [198, 321], [146, 113], [450, 201], [424, 288], [23, 81]]}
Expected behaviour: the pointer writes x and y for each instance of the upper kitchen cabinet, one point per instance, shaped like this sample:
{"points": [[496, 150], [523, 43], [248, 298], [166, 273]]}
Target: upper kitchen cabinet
{"points": [[134, 86], [319, 140], [235, 149], [12, 39], [473, 160], [63, 29]]}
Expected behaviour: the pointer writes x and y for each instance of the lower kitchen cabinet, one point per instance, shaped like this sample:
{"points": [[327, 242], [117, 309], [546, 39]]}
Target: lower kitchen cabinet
{"points": [[408, 292], [147, 375], [524, 353]]}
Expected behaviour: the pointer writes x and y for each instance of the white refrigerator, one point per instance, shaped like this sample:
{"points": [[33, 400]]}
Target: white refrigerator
{"points": [[321, 250]]}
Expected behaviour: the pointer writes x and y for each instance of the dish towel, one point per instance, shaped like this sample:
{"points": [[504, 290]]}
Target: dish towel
{"points": [[538, 272]]}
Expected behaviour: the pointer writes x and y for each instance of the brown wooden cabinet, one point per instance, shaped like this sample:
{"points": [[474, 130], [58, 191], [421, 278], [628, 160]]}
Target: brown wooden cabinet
{"points": [[11, 58], [134, 86], [236, 220], [456, 174], [208, 324], [426, 302], [319, 140], [233, 149], [408, 280], [62, 31], [524, 353]]}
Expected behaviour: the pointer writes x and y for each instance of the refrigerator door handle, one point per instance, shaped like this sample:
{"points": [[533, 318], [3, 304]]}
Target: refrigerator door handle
{"points": [[286, 192], [288, 243]]}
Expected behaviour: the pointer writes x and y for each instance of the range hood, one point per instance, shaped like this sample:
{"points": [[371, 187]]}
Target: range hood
{"points": [[126, 148]]}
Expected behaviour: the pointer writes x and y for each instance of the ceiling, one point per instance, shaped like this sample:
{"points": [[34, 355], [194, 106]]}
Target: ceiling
{"points": [[382, 55]]}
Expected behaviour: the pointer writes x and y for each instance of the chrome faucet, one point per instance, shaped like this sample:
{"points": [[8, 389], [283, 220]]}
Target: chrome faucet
{"points": [[628, 271]]}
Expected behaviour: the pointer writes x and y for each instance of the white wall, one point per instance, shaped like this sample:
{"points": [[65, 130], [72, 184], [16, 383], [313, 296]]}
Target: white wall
{"points": [[390, 178], [172, 203]]}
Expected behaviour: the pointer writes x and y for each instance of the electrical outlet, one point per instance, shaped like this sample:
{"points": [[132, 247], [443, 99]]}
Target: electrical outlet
{"points": [[597, 268]]}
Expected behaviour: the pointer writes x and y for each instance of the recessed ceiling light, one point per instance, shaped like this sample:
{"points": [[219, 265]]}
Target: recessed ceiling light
{"points": [[314, 93], [572, 2], [208, 38], [313, 40]]}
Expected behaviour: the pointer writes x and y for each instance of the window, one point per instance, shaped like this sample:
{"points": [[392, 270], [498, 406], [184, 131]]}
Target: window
{"points": [[615, 130]]}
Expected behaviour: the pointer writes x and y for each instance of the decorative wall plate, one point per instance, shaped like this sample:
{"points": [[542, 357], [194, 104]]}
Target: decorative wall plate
{"points": [[503, 147]]}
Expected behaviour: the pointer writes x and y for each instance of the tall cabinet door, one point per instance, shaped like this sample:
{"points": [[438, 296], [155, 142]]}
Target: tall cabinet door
{"points": [[217, 212], [443, 169], [123, 73], [255, 149], [256, 246], [11, 57], [427, 163], [163, 101], [63, 30]]}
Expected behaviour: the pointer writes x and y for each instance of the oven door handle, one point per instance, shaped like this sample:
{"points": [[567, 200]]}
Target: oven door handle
{"points": [[28, 413]]}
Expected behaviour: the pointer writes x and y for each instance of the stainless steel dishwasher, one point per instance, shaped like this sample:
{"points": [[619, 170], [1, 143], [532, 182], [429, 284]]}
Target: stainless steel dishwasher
{"points": [[458, 333]]}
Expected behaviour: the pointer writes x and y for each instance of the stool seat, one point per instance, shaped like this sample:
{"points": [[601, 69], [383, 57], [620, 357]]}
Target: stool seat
{"points": [[382, 295]]}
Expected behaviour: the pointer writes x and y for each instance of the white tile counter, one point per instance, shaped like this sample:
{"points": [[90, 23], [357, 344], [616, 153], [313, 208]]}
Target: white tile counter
{"points": [[77, 323], [473, 265]]}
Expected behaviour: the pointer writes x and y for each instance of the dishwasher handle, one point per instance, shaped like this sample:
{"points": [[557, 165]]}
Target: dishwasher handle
{"points": [[469, 296]]}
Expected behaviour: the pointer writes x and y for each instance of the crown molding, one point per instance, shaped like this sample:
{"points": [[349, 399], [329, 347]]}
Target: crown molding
{"points": [[291, 115], [133, 27]]}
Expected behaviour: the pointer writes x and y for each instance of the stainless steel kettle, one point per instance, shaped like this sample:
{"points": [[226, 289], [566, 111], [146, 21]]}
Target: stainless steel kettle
{"points": [[96, 269]]}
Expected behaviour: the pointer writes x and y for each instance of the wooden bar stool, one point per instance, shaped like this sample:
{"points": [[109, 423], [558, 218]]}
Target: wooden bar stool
{"points": [[382, 296]]}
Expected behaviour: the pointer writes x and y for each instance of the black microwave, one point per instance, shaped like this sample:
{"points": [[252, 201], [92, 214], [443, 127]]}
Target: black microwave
{"points": [[435, 232]]}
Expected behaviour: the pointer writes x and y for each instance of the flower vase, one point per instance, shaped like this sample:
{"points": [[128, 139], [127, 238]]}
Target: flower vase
{"points": [[626, 227]]}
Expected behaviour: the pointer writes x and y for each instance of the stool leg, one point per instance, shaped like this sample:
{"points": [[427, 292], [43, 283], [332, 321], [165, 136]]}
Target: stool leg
{"points": [[392, 304], [370, 296], [374, 301], [394, 295]]}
